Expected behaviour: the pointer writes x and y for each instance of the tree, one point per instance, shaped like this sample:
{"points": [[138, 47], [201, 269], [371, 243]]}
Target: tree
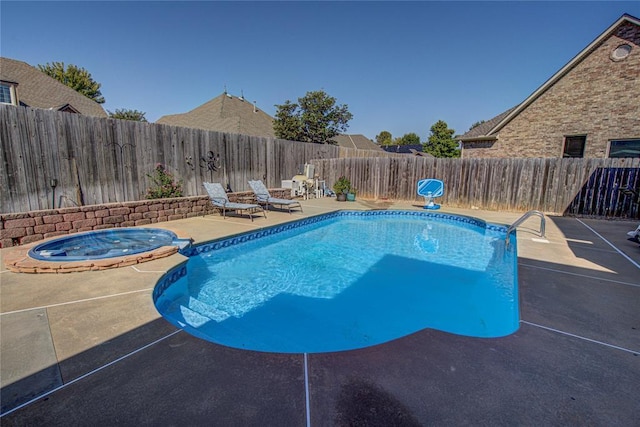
{"points": [[315, 118], [384, 138], [124, 114], [409, 139], [76, 78], [441, 142], [287, 123]]}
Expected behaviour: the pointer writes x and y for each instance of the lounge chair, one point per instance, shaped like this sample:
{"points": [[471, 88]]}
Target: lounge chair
{"points": [[430, 189], [264, 198], [220, 200], [634, 235]]}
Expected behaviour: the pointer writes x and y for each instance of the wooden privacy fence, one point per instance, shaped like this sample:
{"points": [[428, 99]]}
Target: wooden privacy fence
{"points": [[53, 159], [546, 184]]}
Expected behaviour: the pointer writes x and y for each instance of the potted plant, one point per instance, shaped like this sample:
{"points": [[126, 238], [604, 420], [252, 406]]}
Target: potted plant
{"points": [[342, 187], [351, 195]]}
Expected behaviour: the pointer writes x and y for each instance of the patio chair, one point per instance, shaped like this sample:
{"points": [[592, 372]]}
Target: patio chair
{"points": [[264, 198], [430, 189], [634, 235], [219, 199]]}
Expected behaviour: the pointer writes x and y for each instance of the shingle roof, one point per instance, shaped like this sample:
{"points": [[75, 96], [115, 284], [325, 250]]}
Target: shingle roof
{"points": [[225, 113], [37, 90], [484, 128], [402, 149], [358, 141]]}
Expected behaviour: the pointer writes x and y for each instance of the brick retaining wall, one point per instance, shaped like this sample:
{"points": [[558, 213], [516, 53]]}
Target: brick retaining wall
{"points": [[27, 227]]}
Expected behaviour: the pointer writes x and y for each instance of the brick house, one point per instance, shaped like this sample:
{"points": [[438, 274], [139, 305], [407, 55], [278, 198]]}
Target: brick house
{"points": [[24, 85], [589, 108]]}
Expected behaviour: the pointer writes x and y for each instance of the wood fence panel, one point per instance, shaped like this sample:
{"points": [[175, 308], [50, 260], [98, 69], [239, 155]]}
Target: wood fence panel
{"points": [[18, 166], [9, 135], [553, 182], [233, 156], [476, 170], [517, 185], [415, 167], [208, 163], [47, 150], [454, 179], [521, 191], [103, 160], [79, 159], [501, 193], [31, 153], [538, 181], [462, 186], [65, 171]]}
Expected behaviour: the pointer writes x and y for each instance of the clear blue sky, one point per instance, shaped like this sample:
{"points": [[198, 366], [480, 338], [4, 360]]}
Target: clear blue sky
{"points": [[399, 66]]}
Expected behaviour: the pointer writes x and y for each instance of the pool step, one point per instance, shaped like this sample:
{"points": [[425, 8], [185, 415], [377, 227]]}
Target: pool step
{"points": [[195, 312], [208, 310]]}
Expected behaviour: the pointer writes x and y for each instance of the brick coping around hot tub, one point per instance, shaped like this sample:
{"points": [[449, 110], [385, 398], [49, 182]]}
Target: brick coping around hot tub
{"points": [[17, 259]]}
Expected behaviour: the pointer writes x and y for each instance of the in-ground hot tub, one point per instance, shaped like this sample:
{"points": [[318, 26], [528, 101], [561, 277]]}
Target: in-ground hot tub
{"points": [[108, 243]]}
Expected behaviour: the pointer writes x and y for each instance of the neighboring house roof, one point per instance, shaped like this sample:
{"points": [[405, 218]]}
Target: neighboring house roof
{"points": [[488, 130], [359, 142], [412, 149], [420, 153], [37, 90], [225, 113], [402, 149], [480, 131]]}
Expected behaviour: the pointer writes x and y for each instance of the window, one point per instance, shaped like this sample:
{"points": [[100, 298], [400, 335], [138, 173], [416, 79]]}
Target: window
{"points": [[5, 93], [574, 146], [624, 148], [621, 52], [8, 92]]}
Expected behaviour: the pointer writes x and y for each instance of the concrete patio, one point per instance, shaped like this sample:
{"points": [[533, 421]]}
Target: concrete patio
{"points": [[90, 348]]}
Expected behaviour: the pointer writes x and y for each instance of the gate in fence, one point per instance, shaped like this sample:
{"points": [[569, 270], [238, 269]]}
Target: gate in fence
{"points": [[609, 192]]}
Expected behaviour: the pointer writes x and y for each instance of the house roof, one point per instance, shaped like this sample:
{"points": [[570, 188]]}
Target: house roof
{"points": [[413, 149], [420, 153], [225, 113], [402, 149], [483, 129], [488, 130], [36, 89], [358, 141]]}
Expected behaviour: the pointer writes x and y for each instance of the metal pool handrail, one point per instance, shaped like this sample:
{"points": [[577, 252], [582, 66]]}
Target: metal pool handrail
{"points": [[523, 218]]}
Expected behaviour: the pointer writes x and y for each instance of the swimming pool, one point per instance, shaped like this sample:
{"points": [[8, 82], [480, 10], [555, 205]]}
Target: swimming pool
{"points": [[108, 243], [346, 280]]}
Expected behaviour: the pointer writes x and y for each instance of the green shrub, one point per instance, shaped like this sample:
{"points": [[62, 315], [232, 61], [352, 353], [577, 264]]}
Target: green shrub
{"points": [[164, 184], [342, 185]]}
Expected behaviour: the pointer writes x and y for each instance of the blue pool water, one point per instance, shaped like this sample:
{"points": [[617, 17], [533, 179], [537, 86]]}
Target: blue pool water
{"points": [[347, 280], [108, 243]]}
